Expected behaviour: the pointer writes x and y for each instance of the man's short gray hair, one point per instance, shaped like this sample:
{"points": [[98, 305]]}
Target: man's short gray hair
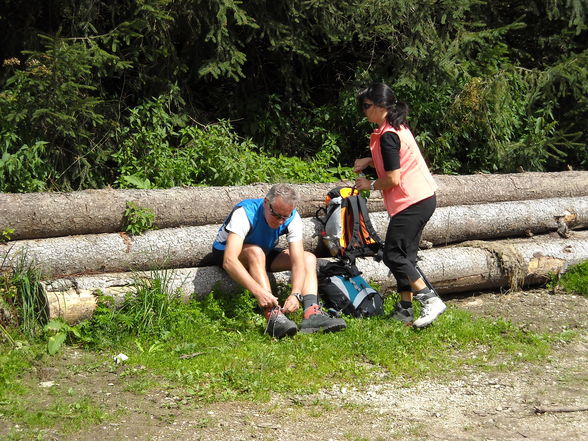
{"points": [[287, 192]]}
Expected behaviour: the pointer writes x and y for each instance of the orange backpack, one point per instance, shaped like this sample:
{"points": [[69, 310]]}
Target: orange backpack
{"points": [[346, 229]]}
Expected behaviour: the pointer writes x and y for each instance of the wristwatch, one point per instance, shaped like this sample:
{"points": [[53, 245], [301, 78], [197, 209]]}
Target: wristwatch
{"points": [[372, 185], [298, 296]]}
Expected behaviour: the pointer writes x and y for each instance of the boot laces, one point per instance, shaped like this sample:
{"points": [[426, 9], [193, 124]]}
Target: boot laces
{"points": [[273, 313]]}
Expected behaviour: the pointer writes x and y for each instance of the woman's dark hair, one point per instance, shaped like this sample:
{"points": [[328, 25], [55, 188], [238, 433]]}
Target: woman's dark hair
{"points": [[383, 96]]}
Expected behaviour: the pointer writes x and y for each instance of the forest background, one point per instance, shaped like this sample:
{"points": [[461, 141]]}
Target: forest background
{"points": [[161, 93]]}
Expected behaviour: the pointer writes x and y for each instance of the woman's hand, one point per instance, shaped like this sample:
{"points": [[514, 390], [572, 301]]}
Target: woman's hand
{"points": [[362, 183], [362, 163]]}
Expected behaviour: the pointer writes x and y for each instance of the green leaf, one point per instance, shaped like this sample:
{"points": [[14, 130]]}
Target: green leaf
{"points": [[55, 342], [137, 182], [56, 325]]}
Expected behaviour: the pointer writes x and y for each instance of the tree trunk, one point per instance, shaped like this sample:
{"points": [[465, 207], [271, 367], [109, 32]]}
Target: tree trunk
{"points": [[479, 265], [459, 223], [493, 221], [38, 215], [466, 267], [190, 246]]}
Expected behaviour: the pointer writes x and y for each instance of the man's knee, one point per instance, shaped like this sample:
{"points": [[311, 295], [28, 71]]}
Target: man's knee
{"points": [[253, 256], [309, 261]]}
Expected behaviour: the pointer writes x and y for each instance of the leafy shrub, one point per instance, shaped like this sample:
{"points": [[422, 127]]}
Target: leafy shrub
{"points": [[54, 119], [148, 156], [159, 150], [23, 168], [138, 219], [6, 234], [224, 160]]}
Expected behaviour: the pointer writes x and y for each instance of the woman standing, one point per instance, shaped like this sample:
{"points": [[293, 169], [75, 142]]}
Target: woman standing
{"points": [[408, 191]]}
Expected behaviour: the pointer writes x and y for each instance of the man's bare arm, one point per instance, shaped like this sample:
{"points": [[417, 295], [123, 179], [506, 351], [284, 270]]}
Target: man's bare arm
{"points": [[237, 271]]}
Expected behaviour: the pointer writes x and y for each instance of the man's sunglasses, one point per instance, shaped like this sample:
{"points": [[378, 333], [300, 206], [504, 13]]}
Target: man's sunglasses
{"points": [[276, 215]]}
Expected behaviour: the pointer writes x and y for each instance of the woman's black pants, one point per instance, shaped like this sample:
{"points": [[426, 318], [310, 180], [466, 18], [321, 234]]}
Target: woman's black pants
{"points": [[402, 241]]}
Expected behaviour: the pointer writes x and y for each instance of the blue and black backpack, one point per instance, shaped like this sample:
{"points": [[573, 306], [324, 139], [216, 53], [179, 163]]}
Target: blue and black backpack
{"points": [[343, 290]]}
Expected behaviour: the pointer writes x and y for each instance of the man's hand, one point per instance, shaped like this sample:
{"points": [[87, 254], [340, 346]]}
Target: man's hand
{"points": [[267, 300], [291, 304]]}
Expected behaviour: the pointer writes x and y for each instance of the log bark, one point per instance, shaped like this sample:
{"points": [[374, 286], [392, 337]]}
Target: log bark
{"points": [[39, 215], [459, 223], [506, 219], [494, 221], [189, 246], [561, 409], [465, 267], [481, 265]]}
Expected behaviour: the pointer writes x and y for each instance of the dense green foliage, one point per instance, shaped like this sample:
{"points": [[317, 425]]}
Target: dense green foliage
{"points": [[156, 93], [575, 280]]}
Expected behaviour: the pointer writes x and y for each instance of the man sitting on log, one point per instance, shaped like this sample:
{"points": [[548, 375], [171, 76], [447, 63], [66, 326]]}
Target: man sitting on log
{"points": [[245, 247]]}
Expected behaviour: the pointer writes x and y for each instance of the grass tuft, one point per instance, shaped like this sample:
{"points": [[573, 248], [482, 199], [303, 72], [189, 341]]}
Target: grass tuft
{"points": [[21, 290], [575, 279]]}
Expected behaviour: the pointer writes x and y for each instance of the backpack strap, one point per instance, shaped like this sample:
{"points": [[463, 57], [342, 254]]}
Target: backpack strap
{"points": [[361, 202], [429, 285], [355, 246], [355, 241]]}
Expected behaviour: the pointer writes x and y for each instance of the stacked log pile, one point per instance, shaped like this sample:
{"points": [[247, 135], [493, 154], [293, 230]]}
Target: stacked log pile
{"points": [[489, 231]]}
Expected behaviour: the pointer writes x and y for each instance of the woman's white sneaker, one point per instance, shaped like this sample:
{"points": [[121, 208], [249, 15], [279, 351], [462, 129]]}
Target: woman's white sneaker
{"points": [[432, 308]]}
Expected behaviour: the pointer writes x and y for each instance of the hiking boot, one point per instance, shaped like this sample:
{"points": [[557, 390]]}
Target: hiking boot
{"points": [[405, 315], [278, 325], [315, 319], [432, 308]]}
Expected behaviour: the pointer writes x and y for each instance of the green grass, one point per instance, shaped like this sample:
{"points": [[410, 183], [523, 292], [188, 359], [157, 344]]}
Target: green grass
{"points": [[575, 280], [214, 349], [77, 412], [12, 364]]}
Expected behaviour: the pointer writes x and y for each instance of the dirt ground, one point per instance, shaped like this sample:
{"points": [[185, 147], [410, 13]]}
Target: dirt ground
{"points": [[542, 401]]}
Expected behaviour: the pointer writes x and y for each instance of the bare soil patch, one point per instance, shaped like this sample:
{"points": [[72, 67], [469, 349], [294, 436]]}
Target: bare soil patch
{"points": [[471, 405]]}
